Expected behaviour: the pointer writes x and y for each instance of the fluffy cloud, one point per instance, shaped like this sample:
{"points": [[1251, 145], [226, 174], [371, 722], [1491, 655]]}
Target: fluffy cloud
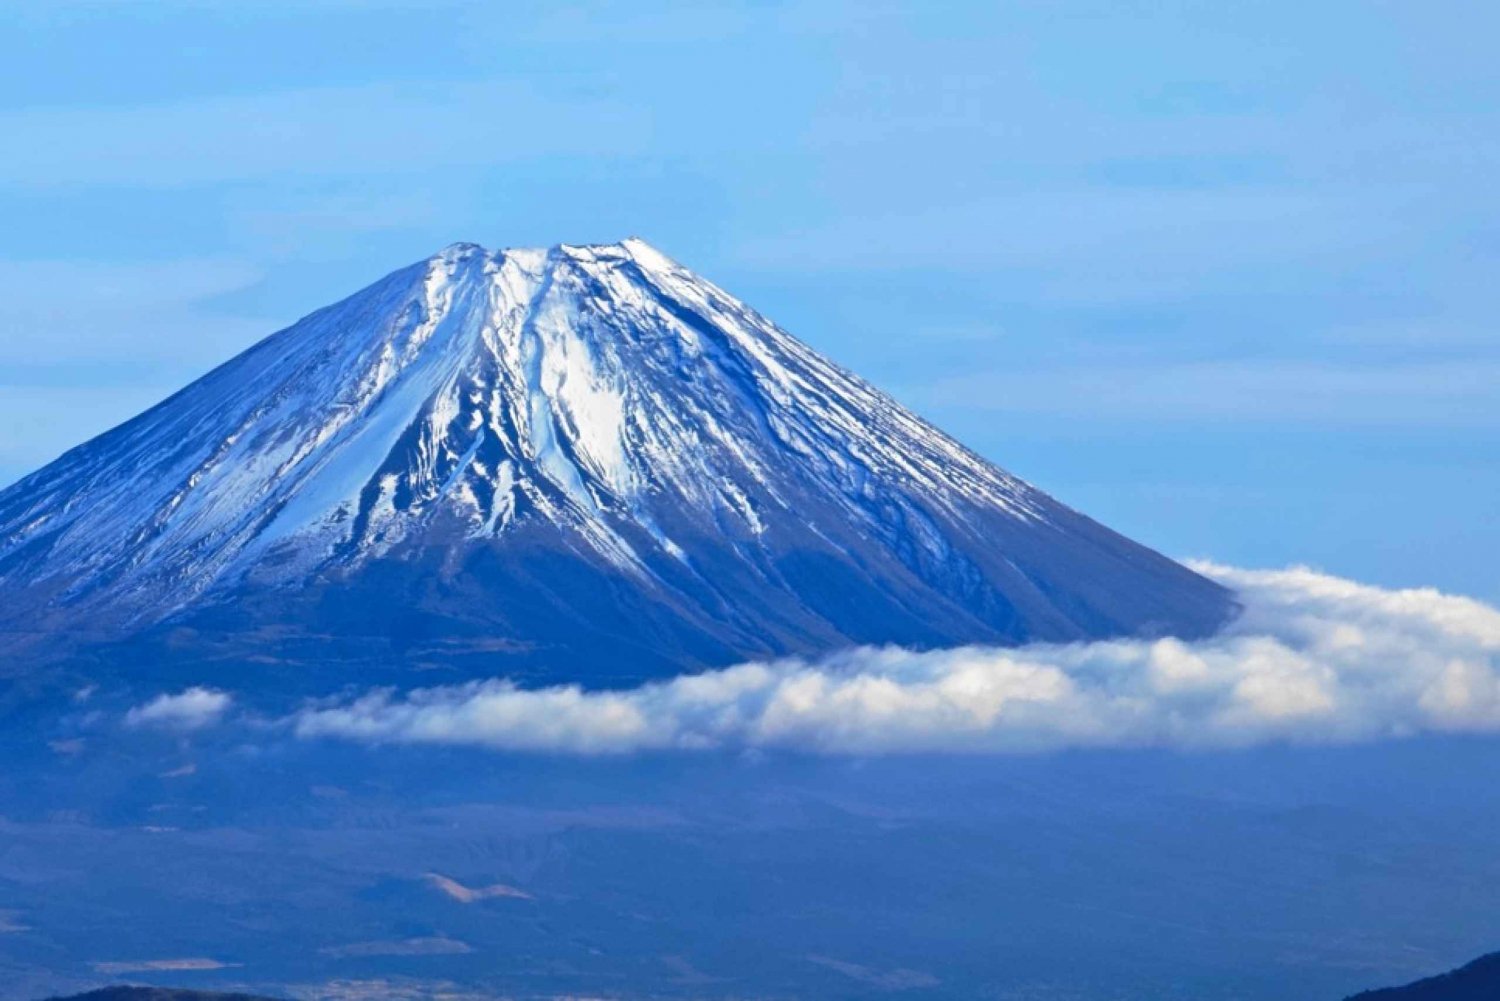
{"points": [[187, 710], [1313, 658]]}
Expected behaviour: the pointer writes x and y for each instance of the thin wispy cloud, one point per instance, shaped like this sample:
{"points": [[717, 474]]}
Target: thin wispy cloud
{"points": [[1323, 394], [313, 131], [196, 963], [61, 314], [191, 709], [1313, 658], [428, 946]]}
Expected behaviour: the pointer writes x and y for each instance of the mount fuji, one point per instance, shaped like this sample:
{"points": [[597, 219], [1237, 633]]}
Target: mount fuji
{"points": [[580, 463]]}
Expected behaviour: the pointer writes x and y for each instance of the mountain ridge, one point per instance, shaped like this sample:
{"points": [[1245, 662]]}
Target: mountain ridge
{"points": [[131, 992], [1478, 980], [514, 449]]}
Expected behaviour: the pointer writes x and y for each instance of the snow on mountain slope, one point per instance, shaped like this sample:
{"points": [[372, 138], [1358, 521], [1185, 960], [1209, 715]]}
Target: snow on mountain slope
{"points": [[580, 462]]}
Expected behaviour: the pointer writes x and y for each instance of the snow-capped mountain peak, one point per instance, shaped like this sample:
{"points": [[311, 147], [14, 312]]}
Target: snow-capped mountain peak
{"points": [[597, 405]]}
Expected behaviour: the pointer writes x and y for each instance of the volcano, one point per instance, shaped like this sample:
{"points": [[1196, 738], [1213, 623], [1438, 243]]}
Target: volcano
{"points": [[582, 463]]}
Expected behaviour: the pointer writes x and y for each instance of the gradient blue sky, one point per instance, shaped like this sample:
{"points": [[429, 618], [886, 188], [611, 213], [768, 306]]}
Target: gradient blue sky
{"points": [[1221, 275]]}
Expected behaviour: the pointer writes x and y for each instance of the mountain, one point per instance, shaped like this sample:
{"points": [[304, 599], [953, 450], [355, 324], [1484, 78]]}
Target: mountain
{"points": [[1478, 981], [124, 993], [584, 462]]}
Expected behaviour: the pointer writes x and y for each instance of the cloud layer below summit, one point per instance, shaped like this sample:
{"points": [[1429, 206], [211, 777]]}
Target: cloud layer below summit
{"points": [[1313, 658]]}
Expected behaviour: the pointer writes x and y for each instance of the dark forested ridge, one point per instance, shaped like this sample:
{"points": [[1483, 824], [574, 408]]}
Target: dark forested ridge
{"points": [[1478, 981], [124, 993]]}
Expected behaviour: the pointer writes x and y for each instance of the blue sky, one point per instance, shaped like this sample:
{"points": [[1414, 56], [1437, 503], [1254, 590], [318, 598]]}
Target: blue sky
{"points": [[1221, 275]]}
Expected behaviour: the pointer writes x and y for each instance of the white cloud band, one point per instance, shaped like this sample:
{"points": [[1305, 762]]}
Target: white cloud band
{"points": [[1314, 658], [190, 709]]}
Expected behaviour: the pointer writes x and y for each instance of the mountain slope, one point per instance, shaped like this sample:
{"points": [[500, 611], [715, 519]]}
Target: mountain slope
{"points": [[1476, 981], [583, 462], [132, 993]]}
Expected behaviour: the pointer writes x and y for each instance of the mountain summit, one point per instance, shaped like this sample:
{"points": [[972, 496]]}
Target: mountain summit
{"points": [[583, 463]]}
